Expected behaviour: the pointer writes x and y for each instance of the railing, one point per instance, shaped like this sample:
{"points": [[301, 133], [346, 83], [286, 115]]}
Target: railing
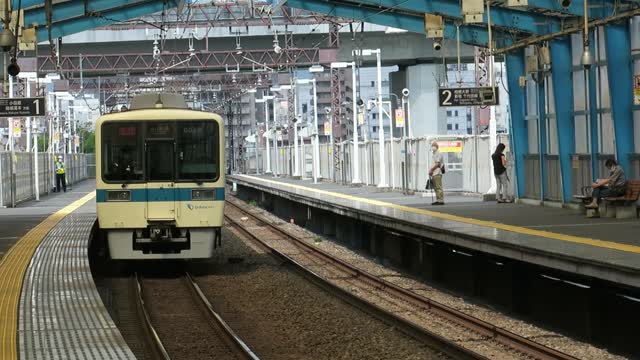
{"points": [[468, 170], [77, 167], [532, 176], [553, 190], [581, 172]]}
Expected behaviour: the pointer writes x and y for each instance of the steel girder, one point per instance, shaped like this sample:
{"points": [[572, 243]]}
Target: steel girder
{"points": [[227, 15], [201, 61], [500, 17], [474, 35]]}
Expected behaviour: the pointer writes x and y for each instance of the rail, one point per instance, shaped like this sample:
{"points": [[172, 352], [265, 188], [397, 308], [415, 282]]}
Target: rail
{"points": [[512, 340], [431, 339], [156, 343]]}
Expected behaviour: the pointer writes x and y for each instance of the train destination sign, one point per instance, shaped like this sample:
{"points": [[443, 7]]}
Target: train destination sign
{"points": [[476, 96], [22, 107]]}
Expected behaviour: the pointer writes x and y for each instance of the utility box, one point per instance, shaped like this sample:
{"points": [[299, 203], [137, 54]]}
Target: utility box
{"points": [[433, 26], [472, 10], [517, 3], [532, 64]]}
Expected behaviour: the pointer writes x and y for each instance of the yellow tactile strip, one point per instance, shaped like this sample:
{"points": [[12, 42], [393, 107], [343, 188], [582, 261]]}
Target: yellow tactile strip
{"points": [[512, 228], [12, 269]]}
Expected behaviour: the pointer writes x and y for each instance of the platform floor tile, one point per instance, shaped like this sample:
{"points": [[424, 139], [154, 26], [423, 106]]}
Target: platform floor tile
{"points": [[61, 313]]}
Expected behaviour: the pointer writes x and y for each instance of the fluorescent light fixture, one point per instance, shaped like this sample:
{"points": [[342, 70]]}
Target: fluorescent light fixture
{"points": [[260, 101], [317, 68], [269, 97], [286, 87], [305, 81], [53, 76], [392, 30], [31, 75], [339, 65], [367, 52], [276, 88], [252, 91]]}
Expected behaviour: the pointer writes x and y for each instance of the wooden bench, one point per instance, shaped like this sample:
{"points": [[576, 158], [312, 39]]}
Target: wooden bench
{"points": [[625, 206]]}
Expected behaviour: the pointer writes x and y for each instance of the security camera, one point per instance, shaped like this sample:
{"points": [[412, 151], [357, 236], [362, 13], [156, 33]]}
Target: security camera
{"points": [[277, 49], [327, 110], [7, 40], [565, 3], [437, 45], [359, 103], [405, 92]]}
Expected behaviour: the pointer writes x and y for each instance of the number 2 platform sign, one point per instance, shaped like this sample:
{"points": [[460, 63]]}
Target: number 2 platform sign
{"points": [[17, 107], [476, 96]]}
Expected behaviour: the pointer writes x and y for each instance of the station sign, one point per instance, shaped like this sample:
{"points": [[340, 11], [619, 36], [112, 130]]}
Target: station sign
{"points": [[399, 118], [636, 90], [450, 146], [475, 96], [22, 107]]}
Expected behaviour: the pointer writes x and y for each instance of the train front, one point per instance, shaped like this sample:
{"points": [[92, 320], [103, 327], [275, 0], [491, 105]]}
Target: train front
{"points": [[160, 183]]}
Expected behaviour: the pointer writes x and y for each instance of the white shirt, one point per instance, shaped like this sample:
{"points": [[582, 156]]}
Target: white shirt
{"points": [[437, 158]]}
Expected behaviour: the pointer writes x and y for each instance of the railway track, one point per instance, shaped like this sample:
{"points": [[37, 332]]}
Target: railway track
{"points": [[232, 342], [517, 345]]}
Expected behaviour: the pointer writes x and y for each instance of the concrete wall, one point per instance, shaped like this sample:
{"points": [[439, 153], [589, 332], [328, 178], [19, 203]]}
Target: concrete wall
{"points": [[427, 118]]}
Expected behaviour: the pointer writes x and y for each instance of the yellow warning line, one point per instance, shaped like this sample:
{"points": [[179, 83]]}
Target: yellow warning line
{"points": [[12, 269], [461, 219]]}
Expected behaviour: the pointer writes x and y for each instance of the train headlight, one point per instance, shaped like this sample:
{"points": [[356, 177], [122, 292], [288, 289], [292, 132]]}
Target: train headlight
{"points": [[119, 195], [203, 195]]}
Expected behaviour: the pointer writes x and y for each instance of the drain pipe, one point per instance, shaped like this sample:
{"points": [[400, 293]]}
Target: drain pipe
{"points": [[586, 61]]}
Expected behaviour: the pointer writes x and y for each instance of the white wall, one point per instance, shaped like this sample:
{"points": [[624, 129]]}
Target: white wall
{"points": [[427, 117]]}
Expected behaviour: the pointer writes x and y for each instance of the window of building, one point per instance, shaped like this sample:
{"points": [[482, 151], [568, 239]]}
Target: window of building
{"points": [[456, 126], [373, 84], [448, 112], [448, 126], [456, 112]]}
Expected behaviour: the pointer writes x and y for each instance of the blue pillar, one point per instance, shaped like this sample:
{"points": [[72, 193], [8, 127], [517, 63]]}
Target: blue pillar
{"points": [[517, 97], [619, 68], [562, 75], [542, 139]]}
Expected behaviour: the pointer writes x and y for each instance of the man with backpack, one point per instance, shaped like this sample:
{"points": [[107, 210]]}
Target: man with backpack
{"points": [[435, 173]]}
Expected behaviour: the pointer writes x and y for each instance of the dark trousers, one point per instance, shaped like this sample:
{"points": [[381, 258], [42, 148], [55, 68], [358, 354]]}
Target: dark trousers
{"points": [[600, 192], [61, 179]]}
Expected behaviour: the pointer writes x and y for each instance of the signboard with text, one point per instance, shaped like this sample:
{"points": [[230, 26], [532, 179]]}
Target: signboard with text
{"points": [[327, 128], [22, 107], [476, 96], [450, 146], [399, 118]]}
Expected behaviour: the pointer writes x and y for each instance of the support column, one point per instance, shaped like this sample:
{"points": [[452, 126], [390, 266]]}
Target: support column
{"points": [[519, 139], [542, 140], [561, 73], [594, 117], [620, 71]]}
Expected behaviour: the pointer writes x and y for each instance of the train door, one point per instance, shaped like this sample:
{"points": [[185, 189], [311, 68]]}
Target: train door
{"points": [[160, 184]]}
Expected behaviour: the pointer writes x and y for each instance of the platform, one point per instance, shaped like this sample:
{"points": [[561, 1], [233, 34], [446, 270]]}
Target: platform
{"points": [[50, 307], [561, 239]]}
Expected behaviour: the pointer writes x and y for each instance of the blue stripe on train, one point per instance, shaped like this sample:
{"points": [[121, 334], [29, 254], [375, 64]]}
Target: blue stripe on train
{"points": [[152, 195]]}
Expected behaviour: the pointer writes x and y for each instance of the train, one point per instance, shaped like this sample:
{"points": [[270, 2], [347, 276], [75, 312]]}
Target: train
{"points": [[160, 180]]}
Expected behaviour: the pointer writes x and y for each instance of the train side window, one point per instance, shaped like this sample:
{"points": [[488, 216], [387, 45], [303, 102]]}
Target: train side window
{"points": [[198, 154], [122, 152]]}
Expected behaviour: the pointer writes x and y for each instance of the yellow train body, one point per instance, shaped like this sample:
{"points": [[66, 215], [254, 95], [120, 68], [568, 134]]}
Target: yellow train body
{"points": [[160, 183]]}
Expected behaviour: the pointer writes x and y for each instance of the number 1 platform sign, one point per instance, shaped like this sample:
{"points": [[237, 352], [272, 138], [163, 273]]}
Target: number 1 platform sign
{"points": [[22, 107], [476, 96]]}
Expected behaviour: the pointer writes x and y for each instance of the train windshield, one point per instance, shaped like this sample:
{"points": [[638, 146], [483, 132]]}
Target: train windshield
{"points": [[185, 151], [122, 152], [197, 151]]}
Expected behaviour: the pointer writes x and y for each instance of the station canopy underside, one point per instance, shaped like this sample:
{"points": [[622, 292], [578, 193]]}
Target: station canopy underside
{"points": [[515, 23]]}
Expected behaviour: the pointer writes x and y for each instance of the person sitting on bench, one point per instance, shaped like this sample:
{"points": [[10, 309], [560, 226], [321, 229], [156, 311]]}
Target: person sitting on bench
{"points": [[614, 185]]}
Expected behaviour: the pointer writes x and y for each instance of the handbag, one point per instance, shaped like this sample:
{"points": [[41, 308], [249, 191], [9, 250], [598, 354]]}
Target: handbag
{"points": [[443, 169], [429, 184]]}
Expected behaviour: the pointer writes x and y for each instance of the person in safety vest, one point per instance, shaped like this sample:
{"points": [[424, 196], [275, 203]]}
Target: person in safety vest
{"points": [[60, 177]]}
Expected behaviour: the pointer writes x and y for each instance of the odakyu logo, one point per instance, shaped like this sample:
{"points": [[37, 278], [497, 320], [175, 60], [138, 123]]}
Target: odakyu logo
{"points": [[199, 207]]}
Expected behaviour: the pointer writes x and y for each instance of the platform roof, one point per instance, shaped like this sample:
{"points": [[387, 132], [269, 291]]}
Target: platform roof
{"points": [[530, 21]]}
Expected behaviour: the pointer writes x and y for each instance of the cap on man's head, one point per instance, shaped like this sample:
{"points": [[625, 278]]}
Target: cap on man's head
{"points": [[59, 157]]}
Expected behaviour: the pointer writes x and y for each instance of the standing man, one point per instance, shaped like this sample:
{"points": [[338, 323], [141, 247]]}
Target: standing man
{"points": [[60, 178], [435, 172]]}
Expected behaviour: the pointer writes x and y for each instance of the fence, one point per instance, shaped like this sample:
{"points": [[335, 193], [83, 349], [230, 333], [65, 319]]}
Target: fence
{"points": [[77, 167], [468, 166]]}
